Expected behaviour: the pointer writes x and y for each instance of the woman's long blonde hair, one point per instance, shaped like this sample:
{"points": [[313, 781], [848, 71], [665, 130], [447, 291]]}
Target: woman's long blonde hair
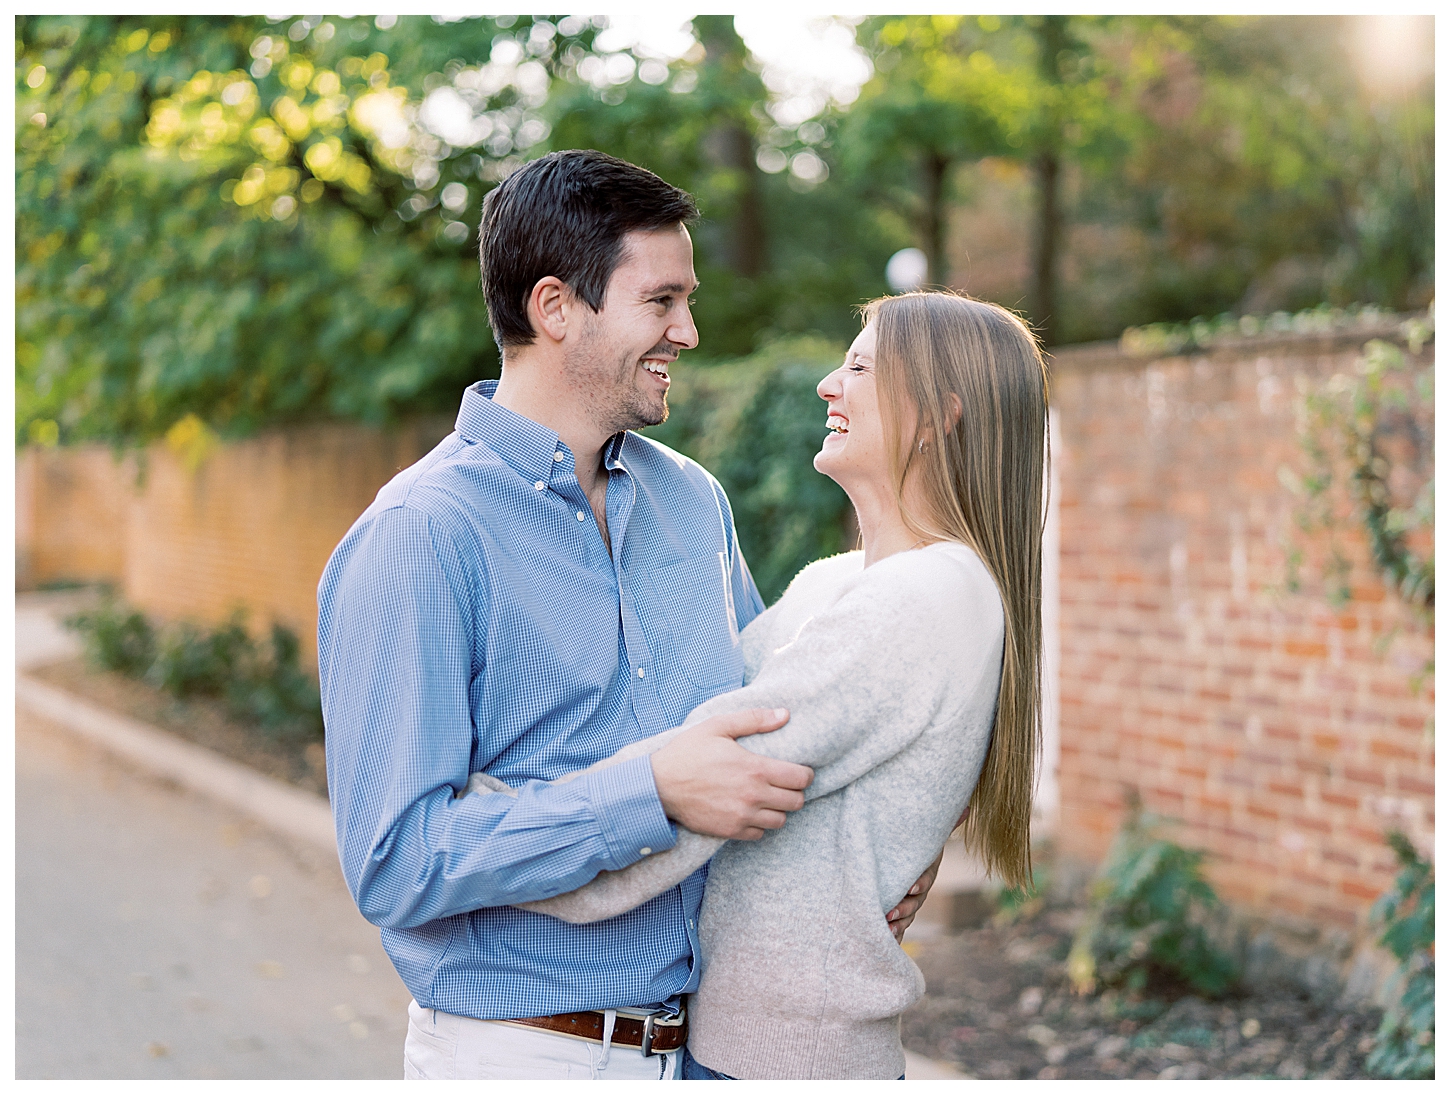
{"points": [[982, 482]]}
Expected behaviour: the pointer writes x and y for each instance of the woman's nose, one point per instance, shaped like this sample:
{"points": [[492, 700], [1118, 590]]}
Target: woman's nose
{"points": [[828, 388]]}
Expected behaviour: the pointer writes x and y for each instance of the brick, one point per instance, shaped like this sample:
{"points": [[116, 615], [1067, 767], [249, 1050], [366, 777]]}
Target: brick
{"points": [[1334, 915], [1392, 750], [1353, 888], [1311, 824], [1370, 777]]}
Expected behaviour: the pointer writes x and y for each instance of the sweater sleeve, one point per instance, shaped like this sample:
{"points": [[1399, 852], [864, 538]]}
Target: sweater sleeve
{"points": [[612, 893], [863, 680], [867, 676]]}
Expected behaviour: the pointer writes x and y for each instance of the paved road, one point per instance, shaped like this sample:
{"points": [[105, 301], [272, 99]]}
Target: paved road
{"points": [[159, 936]]}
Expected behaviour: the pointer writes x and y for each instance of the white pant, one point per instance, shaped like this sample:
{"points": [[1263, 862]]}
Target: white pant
{"points": [[441, 1046]]}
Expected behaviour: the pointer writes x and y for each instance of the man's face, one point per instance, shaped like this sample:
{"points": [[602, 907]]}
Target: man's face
{"points": [[620, 363]]}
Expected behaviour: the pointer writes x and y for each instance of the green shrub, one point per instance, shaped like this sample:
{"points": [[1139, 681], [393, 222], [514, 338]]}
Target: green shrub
{"points": [[265, 686], [1146, 916], [757, 423], [276, 693], [1021, 904], [116, 639], [195, 662], [1405, 1045]]}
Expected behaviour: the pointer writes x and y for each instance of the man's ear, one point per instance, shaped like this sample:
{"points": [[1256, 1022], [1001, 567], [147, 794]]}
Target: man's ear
{"points": [[548, 308]]}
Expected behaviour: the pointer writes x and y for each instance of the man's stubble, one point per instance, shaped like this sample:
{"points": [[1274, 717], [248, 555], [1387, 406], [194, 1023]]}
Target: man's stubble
{"points": [[609, 385]]}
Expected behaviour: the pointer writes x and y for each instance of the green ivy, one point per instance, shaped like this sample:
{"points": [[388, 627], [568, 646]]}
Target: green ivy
{"points": [[1202, 332], [1146, 915], [1343, 431], [1405, 1045]]}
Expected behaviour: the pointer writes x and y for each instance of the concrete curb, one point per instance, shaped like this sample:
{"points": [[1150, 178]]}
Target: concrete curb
{"points": [[287, 810]]}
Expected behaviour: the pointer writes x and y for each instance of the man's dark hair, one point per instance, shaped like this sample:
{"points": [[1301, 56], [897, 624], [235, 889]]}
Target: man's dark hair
{"points": [[565, 215]]}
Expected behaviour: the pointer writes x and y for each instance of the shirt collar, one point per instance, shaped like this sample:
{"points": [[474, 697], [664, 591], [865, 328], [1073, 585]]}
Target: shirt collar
{"points": [[524, 444]]}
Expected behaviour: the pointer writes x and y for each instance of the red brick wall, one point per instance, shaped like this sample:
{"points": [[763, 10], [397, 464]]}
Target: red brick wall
{"points": [[75, 534], [252, 526], [1285, 735]]}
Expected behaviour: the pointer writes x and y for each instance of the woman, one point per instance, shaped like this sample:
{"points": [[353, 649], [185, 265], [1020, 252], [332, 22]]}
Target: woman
{"points": [[911, 670]]}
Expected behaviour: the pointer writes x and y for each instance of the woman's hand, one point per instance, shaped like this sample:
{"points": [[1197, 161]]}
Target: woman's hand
{"points": [[711, 785], [900, 918]]}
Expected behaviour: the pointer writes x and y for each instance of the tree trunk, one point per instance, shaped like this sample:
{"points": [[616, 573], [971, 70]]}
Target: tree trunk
{"points": [[935, 167], [1052, 40], [728, 144], [1045, 169], [747, 247]]}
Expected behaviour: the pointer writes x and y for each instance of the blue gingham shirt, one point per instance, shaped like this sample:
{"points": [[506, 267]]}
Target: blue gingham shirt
{"points": [[473, 620]]}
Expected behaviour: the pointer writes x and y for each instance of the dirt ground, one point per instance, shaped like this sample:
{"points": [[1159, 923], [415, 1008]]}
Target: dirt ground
{"points": [[200, 720], [999, 1006]]}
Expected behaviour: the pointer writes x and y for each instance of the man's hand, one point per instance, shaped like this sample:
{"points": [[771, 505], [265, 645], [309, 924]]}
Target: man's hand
{"points": [[900, 918], [708, 783]]}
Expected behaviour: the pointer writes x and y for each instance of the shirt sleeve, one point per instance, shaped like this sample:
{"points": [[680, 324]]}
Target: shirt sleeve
{"points": [[396, 656]]}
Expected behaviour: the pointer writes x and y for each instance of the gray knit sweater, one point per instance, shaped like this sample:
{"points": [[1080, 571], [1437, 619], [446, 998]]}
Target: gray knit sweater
{"points": [[891, 675]]}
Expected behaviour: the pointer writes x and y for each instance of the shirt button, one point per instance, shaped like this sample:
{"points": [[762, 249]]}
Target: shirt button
{"points": [[558, 456], [539, 485], [580, 515], [641, 671], [645, 851]]}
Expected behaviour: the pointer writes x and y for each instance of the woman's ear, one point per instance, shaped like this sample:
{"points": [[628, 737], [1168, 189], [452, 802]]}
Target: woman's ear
{"points": [[954, 411], [547, 308]]}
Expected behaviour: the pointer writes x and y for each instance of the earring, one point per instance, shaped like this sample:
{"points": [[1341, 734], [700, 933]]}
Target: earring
{"points": [[921, 447]]}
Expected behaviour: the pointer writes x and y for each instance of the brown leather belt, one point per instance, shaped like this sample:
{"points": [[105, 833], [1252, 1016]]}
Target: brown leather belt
{"points": [[649, 1035]]}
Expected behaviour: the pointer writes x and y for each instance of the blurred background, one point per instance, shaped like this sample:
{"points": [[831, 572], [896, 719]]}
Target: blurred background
{"points": [[247, 294]]}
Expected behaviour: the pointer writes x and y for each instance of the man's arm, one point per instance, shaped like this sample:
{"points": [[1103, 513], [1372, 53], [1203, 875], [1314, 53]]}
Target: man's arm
{"points": [[396, 658]]}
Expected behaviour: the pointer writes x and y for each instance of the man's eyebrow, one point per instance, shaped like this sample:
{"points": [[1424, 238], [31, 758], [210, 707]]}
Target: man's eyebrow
{"points": [[671, 287]]}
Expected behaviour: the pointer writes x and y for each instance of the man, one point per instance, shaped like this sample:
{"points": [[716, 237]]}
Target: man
{"points": [[540, 590]]}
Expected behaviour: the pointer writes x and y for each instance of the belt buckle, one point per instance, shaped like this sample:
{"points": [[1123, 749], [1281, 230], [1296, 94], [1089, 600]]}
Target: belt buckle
{"points": [[647, 1018]]}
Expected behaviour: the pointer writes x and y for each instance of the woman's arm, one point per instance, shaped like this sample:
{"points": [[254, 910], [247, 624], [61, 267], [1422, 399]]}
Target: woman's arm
{"points": [[612, 893]]}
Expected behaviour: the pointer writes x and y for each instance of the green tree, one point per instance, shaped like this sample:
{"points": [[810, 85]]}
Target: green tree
{"points": [[953, 90], [253, 222], [1256, 173]]}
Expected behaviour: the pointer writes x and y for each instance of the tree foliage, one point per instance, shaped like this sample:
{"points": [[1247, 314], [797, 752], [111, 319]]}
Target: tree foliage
{"points": [[236, 221]]}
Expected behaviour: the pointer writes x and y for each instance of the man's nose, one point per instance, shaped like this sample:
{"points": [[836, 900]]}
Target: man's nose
{"points": [[682, 332]]}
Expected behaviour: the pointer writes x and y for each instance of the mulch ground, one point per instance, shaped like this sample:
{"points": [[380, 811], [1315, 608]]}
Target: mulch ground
{"points": [[998, 1005], [200, 720]]}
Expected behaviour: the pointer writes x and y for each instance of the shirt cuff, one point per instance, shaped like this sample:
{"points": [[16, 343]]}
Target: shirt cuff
{"points": [[630, 814]]}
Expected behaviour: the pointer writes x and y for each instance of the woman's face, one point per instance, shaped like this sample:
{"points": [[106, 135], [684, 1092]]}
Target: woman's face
{"points": [[854, 451]]}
